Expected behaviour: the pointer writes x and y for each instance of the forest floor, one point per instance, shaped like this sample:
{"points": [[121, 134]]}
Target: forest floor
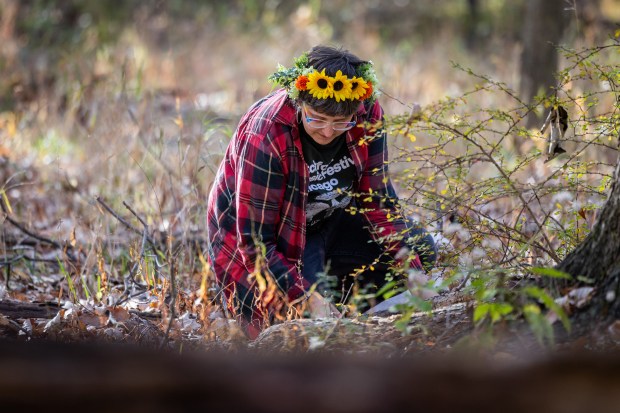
{"points": [[87, 257]]}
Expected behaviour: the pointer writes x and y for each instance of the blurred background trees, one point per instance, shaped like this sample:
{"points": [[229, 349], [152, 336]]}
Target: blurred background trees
{"points": [[516, 39]]}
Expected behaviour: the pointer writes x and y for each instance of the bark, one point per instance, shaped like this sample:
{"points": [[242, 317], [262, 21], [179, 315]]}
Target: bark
{"points": [[472, 38], [598, 256], [542, 32], [17, 309], [369, 335]]}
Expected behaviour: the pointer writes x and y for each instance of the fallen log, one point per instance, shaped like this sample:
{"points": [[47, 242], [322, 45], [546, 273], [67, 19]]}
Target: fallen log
{"points": [[18, 309], [438, 328]]}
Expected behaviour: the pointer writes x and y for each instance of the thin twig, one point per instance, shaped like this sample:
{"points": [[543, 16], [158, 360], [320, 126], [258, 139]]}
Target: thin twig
{"points": [[134, 270], [173, 292], [38, 237], [134, 213], [123, 221], [115, 215]]}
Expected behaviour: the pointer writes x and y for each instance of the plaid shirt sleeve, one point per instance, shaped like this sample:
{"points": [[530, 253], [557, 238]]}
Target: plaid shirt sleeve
{"points": [[378, 199], [260, 185]]}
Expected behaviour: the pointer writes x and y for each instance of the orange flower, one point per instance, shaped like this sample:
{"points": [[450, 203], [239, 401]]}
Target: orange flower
{"points": [[368, 91], [301, 81]]}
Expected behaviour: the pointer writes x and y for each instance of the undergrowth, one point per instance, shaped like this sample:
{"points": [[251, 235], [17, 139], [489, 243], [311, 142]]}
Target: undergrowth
{"points": [[103, 195]]}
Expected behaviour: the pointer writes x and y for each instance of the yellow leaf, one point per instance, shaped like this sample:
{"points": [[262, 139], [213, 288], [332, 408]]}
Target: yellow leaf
{"points": [[617, 33], [179, 122], [411, 137], [6, 200], [11, 127], [72, 238], [8, 122]]}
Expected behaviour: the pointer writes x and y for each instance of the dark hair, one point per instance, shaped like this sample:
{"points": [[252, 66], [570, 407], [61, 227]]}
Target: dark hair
{"points": [[332, 59]]}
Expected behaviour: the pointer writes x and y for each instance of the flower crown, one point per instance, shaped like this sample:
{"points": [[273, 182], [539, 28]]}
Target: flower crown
{"points": [[302, 77]]}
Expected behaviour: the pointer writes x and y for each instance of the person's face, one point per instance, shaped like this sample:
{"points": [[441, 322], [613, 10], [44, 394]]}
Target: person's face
{"points": [[323, 128]]}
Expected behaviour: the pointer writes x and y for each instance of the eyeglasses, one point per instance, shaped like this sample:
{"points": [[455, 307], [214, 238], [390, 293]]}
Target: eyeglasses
{"points": [[320, 124]]}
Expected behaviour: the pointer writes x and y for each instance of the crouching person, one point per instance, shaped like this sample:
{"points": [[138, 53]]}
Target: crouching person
{"points": [[304, 190]]}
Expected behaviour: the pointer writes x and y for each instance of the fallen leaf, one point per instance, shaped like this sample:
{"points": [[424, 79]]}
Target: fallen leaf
{"points": [[92, 320], [53, 322], [580, 297], [4, 321], [188, 323], [114, 332], [26, 328], [120, 314], [614, 331]]}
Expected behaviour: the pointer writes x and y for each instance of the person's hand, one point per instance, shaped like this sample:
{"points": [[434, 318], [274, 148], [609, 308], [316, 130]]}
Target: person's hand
{"points": [[320, 307]]}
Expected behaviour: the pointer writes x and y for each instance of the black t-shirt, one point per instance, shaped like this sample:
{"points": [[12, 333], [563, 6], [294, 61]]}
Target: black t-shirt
{"points": [[332, 173]]}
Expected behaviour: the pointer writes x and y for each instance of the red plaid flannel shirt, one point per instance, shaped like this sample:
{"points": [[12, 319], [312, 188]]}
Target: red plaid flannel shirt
{"points": [[261, 188]]}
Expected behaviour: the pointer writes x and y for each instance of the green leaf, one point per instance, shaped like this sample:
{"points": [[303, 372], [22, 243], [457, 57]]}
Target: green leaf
{"points": [[538, 323], [481, 311], [548, 301], [586, 280], [500, 310], [550, 272], [496, 311], [531, 308], [418, 304], [386, 288], [67, 276], [403, 322]]}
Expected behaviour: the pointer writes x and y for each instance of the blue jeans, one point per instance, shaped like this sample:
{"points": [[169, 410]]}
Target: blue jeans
{"points": [[343, 244]]}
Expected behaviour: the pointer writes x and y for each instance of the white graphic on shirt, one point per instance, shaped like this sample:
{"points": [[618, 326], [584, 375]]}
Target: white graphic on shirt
{"points": [[325, 184]]}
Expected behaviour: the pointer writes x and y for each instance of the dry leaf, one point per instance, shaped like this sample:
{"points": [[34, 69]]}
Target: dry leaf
{"points": [[188, 324], [580, 297], [53, 322], [582, 213], [72, 239], [614, 331], [92, 320], [4, 321], [120, 314]]}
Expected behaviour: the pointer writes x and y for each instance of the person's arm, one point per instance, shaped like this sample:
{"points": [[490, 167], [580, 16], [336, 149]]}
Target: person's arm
{"points": [[260, 188], [378, 198]]}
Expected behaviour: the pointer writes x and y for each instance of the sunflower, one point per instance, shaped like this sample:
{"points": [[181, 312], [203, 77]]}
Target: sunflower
{"points": [[302, 82], [341, 86], [358, 88], [320, 85], [368, 91]]}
